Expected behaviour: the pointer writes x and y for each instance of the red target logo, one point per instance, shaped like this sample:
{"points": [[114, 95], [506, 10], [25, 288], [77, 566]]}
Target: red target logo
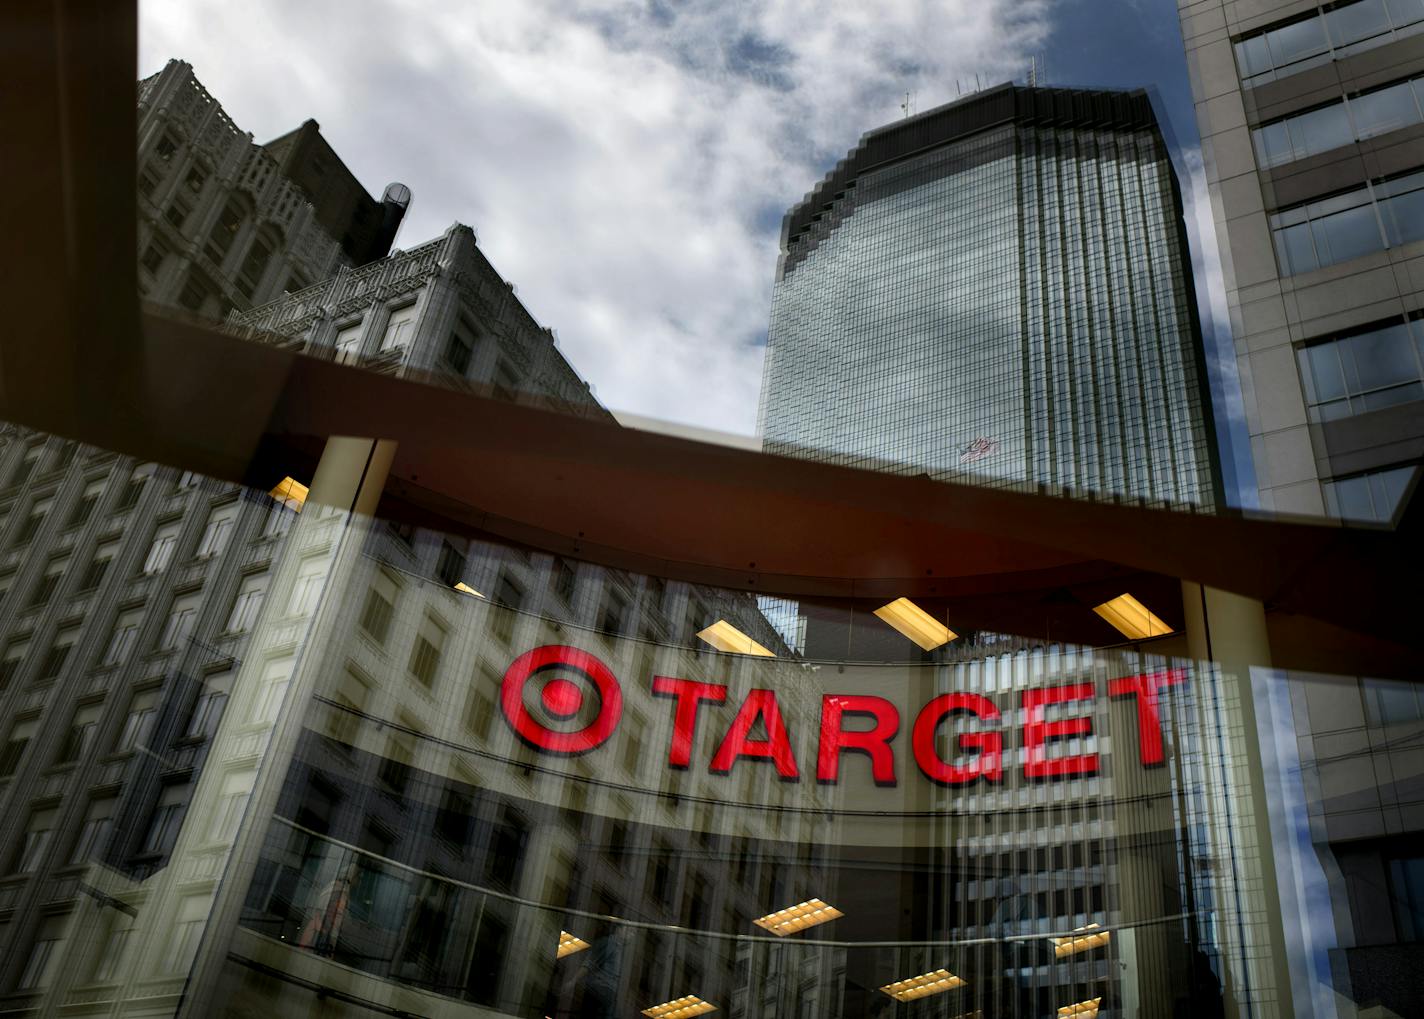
{"points": [[561, 697]]}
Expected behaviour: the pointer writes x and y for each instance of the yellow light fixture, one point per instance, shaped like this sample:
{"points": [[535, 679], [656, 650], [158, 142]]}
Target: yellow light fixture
{"points": [[798, 917], [924, 985], [680, 1008], [1084, 939], [291, 493], [723, 636], [1131, 618], [1082, 1010], [915, 623], [568, 944], [465, 588]]}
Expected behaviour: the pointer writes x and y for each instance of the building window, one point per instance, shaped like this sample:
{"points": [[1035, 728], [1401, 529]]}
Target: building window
{"points": [[165, 821], [48, 584], [98, 821], [44, 955], [254, 266], [306, 589], [148, 181], [1317, 38], [459, 349], [195, 293], [195, 179], [187, 932], [379, 608], [166, 148], [181, 620], [1391, 701], [125, 636], [134, 488], [58, 654], [39, 512], [208, 708], [15, 654], [80, 736], [400, 329], [279, 520], [1363, 371], [425, 655], [218, 532], [84, 508], [250, 596], [1382, 214], [99, 566], [348, 344], [615, 612], [227, 812], [109, 962], [160, 553], [224, 232], [20, 735], [1372, 496], [36, 843], [271, 691], [450, 569], [564, 579], [138, 723], [178, 211]]}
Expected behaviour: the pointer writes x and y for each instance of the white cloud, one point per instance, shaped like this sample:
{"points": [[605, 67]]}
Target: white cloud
{"points": [[625, 164]]}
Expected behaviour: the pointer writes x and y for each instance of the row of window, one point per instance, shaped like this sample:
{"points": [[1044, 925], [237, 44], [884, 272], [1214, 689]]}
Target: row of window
{"points": [[1348, 119], [1380, 215], [1324, 35], [1376, 367]]}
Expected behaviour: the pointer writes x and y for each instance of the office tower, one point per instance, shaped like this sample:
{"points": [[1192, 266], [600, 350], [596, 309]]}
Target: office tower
{"points": [[1313, 150], [997, 289], [148, 616], [1311, 141]]}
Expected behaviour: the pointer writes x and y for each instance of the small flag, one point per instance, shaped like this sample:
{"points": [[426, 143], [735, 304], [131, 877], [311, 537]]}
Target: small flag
{"points": [[978, 450]]}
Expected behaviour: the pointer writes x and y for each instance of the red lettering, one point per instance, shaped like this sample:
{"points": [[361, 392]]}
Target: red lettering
{"points": [[1149, 722], [987, 763], [540, 736], [875, 742], [776, 747], [689, 695], [1037, 732]]}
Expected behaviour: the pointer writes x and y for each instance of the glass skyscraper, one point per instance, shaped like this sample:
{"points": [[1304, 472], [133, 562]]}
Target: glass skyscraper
{"points": [[999, 288]]}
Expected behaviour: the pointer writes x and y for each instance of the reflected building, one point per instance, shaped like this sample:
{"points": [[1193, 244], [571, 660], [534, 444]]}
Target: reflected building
{"points": [[998, 289], [1313, 148]]}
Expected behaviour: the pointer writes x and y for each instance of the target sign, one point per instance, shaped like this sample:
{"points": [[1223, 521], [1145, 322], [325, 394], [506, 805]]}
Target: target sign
{"points": [[559, 679]]}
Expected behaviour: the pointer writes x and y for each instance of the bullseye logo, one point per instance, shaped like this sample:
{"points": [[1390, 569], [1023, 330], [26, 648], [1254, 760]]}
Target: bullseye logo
{"points": [[556, 681]]}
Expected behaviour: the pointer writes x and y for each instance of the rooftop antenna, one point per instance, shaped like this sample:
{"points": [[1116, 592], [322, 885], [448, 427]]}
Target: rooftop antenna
{"points": [[957, 90], [1032, 71], [907, 105]]}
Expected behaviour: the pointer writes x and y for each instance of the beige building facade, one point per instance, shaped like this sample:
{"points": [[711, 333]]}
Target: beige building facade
{"points": [[1313, 144]]}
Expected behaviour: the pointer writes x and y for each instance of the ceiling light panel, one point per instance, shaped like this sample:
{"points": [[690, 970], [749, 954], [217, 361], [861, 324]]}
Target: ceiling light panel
{"points": [[723, 636], [1131, 618], [568, 944], [798, 917], [915, 623], [1083, 939], [924, 985], [680, 1008]]}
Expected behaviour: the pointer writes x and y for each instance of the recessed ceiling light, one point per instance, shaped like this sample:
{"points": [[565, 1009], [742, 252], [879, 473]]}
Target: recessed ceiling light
{"points": [[798, 917], [1083, 939], [723, 636], [290, 493], [465, 588], [680, 1008], [915, 623], [1082, 1010], [924, 985], [568, 944], [1131, 618]]}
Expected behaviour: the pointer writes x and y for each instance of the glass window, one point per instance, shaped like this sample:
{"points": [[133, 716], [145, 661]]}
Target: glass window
{"points": [[125, 636], [98, 821], [160, 553], [271, 691], [218, 531], [36, 842], [1373, 496], [44, 955], [306, 590], [1297, 41], [20, 735], [84, 508], [208, 708], [1402, 209], [1354, 22], [379, 607], [348, 344], [1253, 56], [80, 736], [1349, 234], [1405, 12], [425, 655], [1386, 109], [166, 819], [1320, 130], [400, 329], [143, 709], [250, 595], [1295, 247], [1273, 144], [181, 620], [187, 931]]}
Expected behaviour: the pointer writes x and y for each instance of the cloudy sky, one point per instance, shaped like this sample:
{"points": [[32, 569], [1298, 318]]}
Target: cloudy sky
{"points": [[626, 163]]}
